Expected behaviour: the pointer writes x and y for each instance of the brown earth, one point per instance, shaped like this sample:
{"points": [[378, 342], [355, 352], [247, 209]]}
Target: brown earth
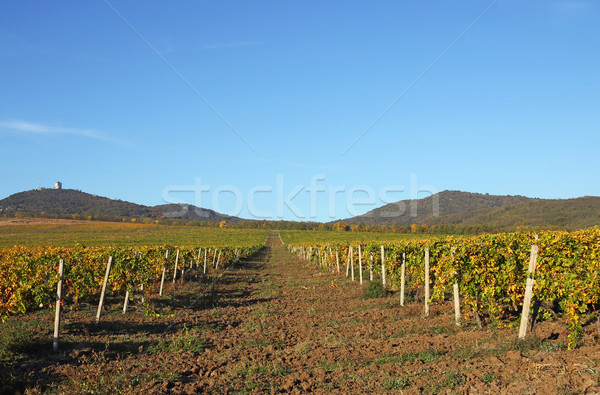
{"points": [[38, 221], [278, 325]]}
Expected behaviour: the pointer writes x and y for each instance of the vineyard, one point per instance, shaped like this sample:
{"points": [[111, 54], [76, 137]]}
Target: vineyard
{"points": [[490, 270], [283, 313], [302, 237], [31, 273]]}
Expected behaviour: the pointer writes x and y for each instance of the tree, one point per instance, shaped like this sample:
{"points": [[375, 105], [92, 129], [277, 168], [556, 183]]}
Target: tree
{"points": [[341, 227], [223, 224]]}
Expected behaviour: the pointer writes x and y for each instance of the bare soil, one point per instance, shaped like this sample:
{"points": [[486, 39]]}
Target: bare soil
{"points": [[274, 324], [38, 221]]}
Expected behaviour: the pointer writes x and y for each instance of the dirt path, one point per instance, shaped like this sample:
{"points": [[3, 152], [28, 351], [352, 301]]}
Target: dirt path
{"points": [[277, 325]]}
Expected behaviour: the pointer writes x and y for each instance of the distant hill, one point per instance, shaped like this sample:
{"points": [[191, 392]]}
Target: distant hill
{"points": [[496, 212], [449, 211], [66, 202], [191, 212]]}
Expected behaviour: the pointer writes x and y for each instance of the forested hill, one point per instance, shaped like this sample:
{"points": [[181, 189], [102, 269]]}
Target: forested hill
{"points": [[467, 209], [445, 212], [70, 202]]}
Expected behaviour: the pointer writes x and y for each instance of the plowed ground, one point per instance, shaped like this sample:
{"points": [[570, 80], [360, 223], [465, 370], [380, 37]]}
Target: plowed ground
{"points": [[274, 324]]}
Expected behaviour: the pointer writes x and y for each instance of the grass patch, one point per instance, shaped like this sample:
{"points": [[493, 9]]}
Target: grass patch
{"points": [[97, 374], [448, 381], [423, 356], [19, 337], [522, 346], [330, 366], [337, 365], [334, 341], [488, 378], [262, 343], [303, 347], [375, 290], [351, 321], [399, 383], [267, 289], [189, 340], [434, 330]]}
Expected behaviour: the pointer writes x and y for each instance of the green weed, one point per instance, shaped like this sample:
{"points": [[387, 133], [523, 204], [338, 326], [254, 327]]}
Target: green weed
{"points": [[375, 290], [188, 341]]}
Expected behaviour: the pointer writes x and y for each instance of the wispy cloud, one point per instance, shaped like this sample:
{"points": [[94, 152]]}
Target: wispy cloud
{"points": [[48, 130]]}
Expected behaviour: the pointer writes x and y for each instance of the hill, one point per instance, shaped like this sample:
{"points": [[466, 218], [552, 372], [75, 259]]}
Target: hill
{"points": [[69, 202], [191, 212], [489, 211]]}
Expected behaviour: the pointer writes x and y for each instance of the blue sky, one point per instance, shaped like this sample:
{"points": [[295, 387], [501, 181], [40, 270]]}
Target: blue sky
{"points": [[247, 103]]}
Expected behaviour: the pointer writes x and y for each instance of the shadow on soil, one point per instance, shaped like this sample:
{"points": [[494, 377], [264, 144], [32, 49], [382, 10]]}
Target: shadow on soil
{"points": [[32, 355]]}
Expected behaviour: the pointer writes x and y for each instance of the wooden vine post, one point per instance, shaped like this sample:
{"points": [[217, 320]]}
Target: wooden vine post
{"points": [[162, 280], [352, 262], [456, 297], [348, 261], [360, 270], [402, 278], [218, 259], [337, 261], [198, 262], [126, 301], [103, 293], [383, 266], [58, 301], [175, 271], [205, 255], [427, 282], [528, 291]]}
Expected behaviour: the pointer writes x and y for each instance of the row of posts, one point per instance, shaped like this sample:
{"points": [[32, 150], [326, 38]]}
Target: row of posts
{"points": [[307, 253], [59, 290]]}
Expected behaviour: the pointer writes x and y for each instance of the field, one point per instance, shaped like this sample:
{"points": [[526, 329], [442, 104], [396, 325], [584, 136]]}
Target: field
{"points": [[66, 233], [333, 237], [273, 322]]}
